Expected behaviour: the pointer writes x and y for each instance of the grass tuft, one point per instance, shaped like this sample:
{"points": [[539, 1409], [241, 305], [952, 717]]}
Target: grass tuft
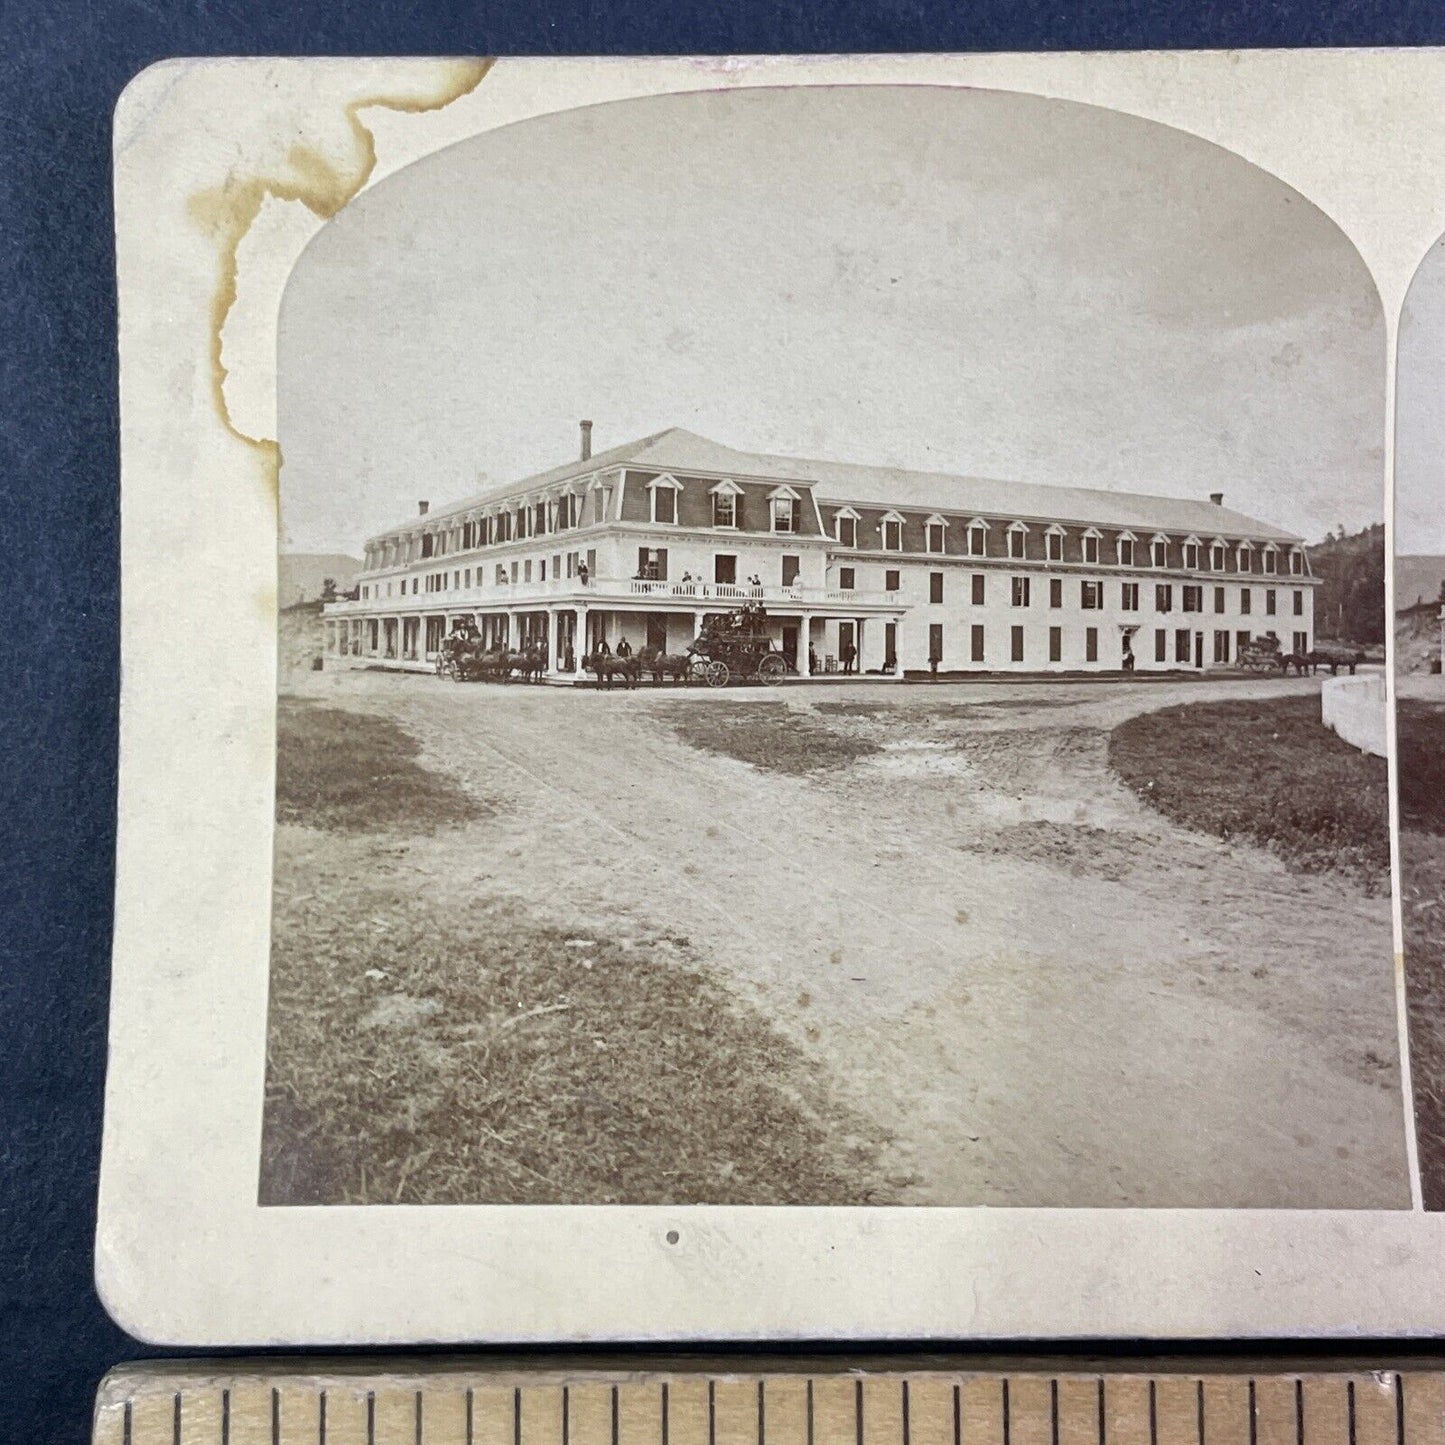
{"points": [[770, 736], [1266, 771]]}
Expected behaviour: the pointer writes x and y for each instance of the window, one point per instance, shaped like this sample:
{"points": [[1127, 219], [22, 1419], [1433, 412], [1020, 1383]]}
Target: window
{"points": [[1269, 601], [1056, 591], [892, 533], [414, 584], [1216, 562], [1221, 647], [724, 569], [1163, 597], [847, 529], [1018, 591], [428, 543], [935, 586], [784, 510], [976, 643], [1301, 644], [892, 580], [1271, 561], [469, 576], [1193, 598], [1091, 644], [1191, 556], [935, 536], [1181, 645], [1016, 534], [1161, 645], [514, 571], [601, 496], [792, 566], [1296, 562], [1241, 641], [846, 577], [1091, 596], [976, 589], [977, 539], [1246, 600], [1056, 644], [1054, 544], [651, 564], [724, 509], [1016, 644], [1246, 557], [1126, 551], [1129, 597], [1091, 547], [1219, 599], [1299, 604], [526, 571], [1159, 552], [935, 642]]}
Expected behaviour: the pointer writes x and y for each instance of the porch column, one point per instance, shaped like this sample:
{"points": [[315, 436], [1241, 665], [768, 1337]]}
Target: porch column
{"points": [[858, 663], [897, 649], [697, 618], [513, 636], [554, 655], [805, 644], [580, 643]]}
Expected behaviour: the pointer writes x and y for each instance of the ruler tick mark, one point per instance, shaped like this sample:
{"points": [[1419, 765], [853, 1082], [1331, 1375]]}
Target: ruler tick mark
{"points": [[226, 1417], [1007, 1422], [517, 1415], [1350, 1408], [1299, 1412], [125, 1424], [321, 1419], [957, 1415], [810, 1412], [1199, 1410], [1153, 1413], [470, 1408], [176, 1419], [418, 1417], [1103, 1410], [905, 1413], [858, 1412], [1253, 1417], [275, 1417], [567, 1416], [711, 1412], [371, 1417], [1054, 1412], [615, 1431], [762, 1416], [1399, 1410]]}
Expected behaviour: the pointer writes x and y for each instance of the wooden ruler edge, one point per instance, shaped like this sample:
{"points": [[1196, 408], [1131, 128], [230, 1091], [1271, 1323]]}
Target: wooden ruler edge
{"points": [[149, 1378]]}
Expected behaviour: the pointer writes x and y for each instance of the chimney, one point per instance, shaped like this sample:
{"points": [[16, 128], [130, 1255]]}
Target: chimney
{"points": [[421, 508], [586, 429], [1217, 498]]}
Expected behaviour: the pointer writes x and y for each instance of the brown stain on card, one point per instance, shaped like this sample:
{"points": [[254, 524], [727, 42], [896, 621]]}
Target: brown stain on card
{"points": [[227, 212]]}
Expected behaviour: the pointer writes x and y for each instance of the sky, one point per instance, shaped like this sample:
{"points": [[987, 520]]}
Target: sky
{"points": [[944, 279], [1420, 414]]}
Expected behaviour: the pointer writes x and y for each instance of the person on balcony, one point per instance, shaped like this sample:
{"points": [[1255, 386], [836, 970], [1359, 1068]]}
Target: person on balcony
{"points": [[582, 573]]}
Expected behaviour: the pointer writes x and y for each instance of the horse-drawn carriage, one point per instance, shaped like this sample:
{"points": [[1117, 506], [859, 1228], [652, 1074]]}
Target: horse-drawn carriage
{"points": [[1261, 654], [463, 658], [736, 644]]}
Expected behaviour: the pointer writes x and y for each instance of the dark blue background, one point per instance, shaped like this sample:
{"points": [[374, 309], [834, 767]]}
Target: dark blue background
{"points": [[64, 62]]}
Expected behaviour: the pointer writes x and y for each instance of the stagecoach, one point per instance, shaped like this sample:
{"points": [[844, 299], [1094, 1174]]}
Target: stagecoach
{"points": [[736, 644], [1262, 654]]}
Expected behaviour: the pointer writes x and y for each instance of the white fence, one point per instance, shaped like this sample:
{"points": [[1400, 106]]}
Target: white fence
{"points": [[1354, 708]]}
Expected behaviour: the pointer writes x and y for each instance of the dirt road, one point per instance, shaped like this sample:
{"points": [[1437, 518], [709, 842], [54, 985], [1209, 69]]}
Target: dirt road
{"points": [[1047, 993]]}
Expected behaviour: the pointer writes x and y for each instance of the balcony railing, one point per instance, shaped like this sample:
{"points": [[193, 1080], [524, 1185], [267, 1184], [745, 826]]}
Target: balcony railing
{"points": [[600, 590]]}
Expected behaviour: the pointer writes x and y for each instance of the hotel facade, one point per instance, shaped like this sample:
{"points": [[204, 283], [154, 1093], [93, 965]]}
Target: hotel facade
{"points": [[907, 568]]}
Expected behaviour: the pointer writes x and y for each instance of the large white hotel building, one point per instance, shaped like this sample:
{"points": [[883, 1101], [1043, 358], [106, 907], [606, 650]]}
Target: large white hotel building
{"points": [[643, 540]]}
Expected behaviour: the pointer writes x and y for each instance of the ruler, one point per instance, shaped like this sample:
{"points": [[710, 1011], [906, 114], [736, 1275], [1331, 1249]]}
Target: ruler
{"points": [[804, 1403]]}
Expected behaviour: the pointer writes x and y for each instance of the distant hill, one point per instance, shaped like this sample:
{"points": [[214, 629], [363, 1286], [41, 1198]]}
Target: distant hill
{"points": [[1350, 603], [301, 575], [1418, 579]]}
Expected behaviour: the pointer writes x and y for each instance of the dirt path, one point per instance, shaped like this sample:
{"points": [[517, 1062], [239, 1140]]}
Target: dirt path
{"points": [[1047, 993]]}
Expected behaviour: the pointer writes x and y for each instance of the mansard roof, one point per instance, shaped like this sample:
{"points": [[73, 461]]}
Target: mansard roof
{"points": [[840, 483]]}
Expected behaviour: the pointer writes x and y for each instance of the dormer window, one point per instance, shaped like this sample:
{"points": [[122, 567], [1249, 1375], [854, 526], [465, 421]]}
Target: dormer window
{"points": [[1296, 562], [977, 538], [1054, 543], [935, 529], [664, 491], [1017, 532], [1091, 546], [1124, 547], [845, 527], [725, 504], [1191, 554], [1271, 559], [1216, 555], [1159, 550], [892, 532], [1246, 557], [783, 508]]}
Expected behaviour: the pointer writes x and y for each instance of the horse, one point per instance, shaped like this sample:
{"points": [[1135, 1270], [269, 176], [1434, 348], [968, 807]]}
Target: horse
{"points": [[1300, 661], [530, 663], [1335, 661], [665, 664], [610, 667]]}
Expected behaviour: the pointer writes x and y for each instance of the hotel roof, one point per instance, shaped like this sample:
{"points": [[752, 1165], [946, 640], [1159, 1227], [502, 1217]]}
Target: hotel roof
{"points": [[839, 483]]}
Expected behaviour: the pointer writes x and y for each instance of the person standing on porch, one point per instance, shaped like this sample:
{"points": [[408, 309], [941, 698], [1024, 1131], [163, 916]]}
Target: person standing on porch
{"points": [[850, 656], [624, 647]]}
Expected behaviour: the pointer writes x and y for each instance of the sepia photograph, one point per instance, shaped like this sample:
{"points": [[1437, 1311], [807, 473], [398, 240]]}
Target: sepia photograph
{"points": [[1420, 700], [832, 652]]}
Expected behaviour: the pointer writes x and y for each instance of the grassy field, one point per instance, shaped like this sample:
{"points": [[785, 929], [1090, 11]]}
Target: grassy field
{"points": [[474, 1053], [355, 773], [1266, 771], [1421, 750]]}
